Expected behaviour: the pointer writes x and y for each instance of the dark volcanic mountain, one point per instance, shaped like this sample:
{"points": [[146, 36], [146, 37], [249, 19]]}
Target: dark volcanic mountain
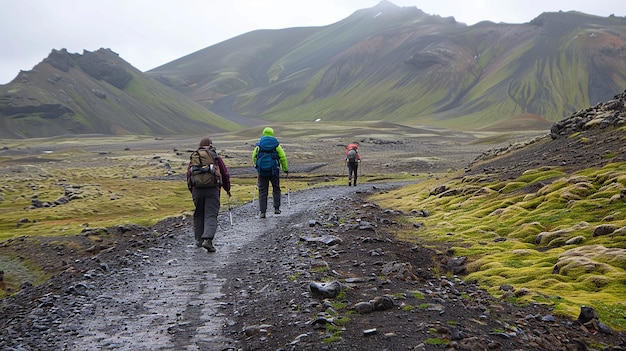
{"points": [[399, 64], [97, 93]]}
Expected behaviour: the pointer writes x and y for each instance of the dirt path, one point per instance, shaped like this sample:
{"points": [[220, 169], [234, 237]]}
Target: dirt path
{"points": [[171, 301]]}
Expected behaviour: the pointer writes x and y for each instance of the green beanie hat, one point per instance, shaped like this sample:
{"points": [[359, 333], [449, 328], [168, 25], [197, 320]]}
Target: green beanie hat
{"points": [[268, 131]]}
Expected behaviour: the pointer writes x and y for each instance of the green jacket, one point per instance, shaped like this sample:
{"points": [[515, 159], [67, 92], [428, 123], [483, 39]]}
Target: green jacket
{"points": [[268, 141]]}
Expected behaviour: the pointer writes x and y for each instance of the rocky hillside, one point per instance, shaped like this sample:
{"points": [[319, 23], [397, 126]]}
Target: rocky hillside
{"points": [[603, 115], [400, 64], [588, 138], [97, 93]]}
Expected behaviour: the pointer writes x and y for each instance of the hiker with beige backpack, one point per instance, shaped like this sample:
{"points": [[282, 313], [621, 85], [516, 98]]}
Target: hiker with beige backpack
{"points": [[206, 176]]}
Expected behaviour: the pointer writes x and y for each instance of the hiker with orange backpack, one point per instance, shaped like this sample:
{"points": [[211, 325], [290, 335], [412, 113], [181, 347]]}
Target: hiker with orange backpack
{"points": [[353, 158]]}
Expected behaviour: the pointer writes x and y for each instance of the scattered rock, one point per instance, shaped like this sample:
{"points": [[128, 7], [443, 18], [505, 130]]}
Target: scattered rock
{"points": [[604, 229], [325, 290]]}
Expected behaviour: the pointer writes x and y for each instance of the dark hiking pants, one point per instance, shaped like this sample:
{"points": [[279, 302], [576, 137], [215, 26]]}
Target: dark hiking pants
{"points": [[352, 171], [264, 184], [207, 202]]}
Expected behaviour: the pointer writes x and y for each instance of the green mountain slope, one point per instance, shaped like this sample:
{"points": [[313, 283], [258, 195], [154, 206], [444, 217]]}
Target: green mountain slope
{"points": [[400, 64], [97, 93]]}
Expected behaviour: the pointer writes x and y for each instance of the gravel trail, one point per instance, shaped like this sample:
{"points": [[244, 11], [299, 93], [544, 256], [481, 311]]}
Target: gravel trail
{"points": [[170, 297]]}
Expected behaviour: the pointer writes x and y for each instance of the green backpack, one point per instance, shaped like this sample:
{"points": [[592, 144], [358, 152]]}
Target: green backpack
{"points": [[205, 173]]}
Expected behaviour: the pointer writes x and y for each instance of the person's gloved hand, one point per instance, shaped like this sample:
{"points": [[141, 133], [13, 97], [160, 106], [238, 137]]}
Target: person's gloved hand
{"points": [[228, 192]]}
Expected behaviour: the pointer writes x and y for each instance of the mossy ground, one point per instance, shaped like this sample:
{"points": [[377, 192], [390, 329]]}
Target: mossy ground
{"points": [[518, 232]]}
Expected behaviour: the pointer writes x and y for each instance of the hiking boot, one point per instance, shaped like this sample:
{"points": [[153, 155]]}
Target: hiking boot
{"points": [[208, 245], [262, 215], [198, 243], [349, 183], [276, 211]]}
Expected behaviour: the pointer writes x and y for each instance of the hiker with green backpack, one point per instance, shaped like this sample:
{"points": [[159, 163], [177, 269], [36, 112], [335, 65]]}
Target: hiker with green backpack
{"points": [[268, 158], [353, 158], [206, 175]]}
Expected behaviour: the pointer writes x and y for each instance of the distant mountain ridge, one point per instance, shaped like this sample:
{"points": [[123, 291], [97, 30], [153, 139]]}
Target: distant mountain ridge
{"points": [[399, 64], [385, 63], [97, 93]]}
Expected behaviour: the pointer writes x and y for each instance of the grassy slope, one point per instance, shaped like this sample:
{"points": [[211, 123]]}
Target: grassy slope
{"points": [[545, 71], [360, 69]]}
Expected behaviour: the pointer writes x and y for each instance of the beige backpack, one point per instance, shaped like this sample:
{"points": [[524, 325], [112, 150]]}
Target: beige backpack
{"points": [[205, 173]]}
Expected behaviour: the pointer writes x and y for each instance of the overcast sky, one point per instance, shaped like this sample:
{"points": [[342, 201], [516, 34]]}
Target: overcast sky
{"points": [[150, 33]]}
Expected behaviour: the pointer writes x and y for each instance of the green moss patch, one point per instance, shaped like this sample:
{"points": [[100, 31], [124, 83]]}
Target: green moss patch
{"points": [[554, 234]]}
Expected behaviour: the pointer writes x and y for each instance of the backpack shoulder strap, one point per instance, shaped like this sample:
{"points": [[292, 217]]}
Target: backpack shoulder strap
{"points": [[212, 153]]}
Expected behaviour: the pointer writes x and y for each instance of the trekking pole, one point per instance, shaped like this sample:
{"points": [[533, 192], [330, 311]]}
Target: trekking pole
{"points": [[230, 213], [256, 189], [253, 195], [288, 190]]}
